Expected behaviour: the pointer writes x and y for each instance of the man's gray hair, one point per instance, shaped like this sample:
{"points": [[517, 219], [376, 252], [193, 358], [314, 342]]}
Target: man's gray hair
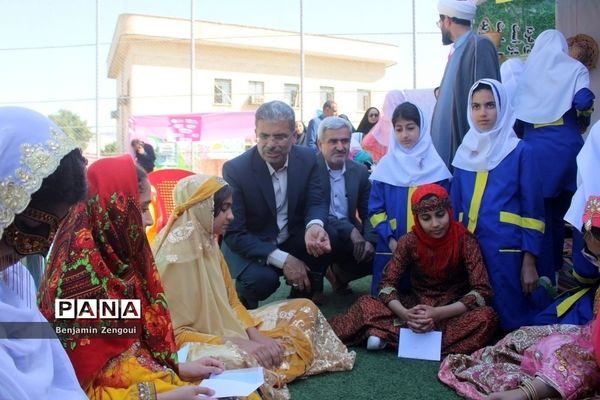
{"points": [[276, 111], [332, 123]]}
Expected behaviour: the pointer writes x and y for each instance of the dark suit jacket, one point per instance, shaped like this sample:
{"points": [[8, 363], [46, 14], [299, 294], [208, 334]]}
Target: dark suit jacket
{"points": [[253, 232], [358, 189]]}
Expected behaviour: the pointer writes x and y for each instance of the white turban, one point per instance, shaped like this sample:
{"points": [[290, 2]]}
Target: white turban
{"points": [[462, 9]]}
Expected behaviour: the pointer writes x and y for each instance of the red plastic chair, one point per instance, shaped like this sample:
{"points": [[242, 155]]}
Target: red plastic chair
{"points": [[163, 182]]}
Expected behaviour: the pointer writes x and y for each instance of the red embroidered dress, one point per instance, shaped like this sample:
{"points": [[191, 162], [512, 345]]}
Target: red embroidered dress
{"points": [[441, 272], [101, 252]]}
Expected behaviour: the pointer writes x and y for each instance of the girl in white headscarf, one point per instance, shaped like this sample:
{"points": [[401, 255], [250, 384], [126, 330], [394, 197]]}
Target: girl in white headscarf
{"points": [[411, 160], [496, 193], [42, 174], [554, 103], [511, 71]]}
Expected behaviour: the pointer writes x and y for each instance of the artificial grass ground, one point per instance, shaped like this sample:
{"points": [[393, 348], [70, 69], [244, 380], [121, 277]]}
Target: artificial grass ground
{"points": [[376, 375]]}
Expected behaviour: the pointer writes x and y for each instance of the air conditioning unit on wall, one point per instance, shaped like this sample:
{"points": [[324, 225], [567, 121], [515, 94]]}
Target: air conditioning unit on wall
{"points": [[255, 99]]}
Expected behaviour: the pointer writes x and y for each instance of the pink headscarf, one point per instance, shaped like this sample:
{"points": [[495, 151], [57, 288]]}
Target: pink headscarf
{"points": [[383, 128]]}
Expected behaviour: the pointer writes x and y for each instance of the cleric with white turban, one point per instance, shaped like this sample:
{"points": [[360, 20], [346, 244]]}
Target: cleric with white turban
{"points": [[462, 9], [473, 57]]}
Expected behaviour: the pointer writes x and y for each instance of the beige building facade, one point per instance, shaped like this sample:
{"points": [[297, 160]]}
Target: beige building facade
{"points": [[237, 68]]}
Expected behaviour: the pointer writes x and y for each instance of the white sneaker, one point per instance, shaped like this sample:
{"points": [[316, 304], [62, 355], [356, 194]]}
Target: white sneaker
{"points": [[375, 343]]}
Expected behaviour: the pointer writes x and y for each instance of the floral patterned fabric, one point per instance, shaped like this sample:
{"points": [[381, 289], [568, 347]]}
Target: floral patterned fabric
{"points": [[101, 252], [560, 355]]}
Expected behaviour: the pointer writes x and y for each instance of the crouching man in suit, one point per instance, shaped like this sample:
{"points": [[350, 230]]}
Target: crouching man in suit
{"points": [[279, 213], [346, 190]]}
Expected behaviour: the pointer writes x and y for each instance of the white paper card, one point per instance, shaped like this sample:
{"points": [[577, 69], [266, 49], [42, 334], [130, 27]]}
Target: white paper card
{"points": [[422, 346], [235, 383], [182, 353]]}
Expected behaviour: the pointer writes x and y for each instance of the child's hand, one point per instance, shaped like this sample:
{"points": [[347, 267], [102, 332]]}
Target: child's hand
{"points": [[421, 318]]}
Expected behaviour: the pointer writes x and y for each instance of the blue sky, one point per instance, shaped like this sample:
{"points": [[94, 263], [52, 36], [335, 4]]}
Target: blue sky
{"points": [[47, 53]]}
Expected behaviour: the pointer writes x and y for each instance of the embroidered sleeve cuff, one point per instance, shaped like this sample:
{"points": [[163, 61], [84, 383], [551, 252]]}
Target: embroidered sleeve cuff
{"points": [[146, 391], [277, 258], [388, 294], [467, 299]]}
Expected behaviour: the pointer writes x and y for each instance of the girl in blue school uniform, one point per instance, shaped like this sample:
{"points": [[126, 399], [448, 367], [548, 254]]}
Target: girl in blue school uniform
{"points": [[577, 305], [496, 193], [411, 160], [553, 104]]}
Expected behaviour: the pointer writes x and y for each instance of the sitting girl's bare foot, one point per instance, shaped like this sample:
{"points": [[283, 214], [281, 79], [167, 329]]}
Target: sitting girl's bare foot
{"points": [[516, 394]]}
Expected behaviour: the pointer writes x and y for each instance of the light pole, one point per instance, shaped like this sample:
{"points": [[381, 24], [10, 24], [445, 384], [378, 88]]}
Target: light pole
{"points": [[301, 64], [97, 79], [192, 54]]}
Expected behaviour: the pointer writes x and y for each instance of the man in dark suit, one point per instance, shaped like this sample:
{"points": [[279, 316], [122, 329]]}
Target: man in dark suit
{"points": [[279, 213], [346, 189]]}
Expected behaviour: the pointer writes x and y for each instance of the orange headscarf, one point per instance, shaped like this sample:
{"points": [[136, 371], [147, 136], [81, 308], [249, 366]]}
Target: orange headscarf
{"points": [[101, 252], [436, 255]]}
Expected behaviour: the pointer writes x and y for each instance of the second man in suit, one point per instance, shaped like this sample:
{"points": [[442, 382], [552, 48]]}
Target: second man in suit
{"points": [[346, 189]]}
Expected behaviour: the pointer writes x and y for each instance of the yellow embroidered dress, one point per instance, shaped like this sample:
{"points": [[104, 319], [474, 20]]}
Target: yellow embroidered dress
{"points": [[205, 308]]}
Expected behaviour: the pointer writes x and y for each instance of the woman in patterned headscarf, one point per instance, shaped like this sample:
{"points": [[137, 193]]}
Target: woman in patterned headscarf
{"points": [[449, 288], [42, 174], [101, 252], [289, 339]]}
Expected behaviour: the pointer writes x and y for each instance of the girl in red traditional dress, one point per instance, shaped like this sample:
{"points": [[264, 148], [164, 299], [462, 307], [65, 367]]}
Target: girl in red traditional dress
{"points": [[449, 291]]}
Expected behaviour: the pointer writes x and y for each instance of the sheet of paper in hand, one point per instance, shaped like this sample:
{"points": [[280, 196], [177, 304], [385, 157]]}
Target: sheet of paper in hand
{"points": [[235, 382], [183, 353], [422, 346]]}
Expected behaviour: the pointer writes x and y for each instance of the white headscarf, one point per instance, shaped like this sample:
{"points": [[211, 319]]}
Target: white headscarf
{"points": [[588, 184], [32, 368], [462, 9], [416, 166], [510, 72], [483, 151], [549, 81], [31, 147]]}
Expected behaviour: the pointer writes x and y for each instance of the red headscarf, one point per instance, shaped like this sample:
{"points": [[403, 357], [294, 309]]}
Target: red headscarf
{"points": [[101, 252], [436, 255]]}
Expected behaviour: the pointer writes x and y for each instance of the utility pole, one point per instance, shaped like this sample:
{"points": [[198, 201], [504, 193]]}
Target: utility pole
{"points": [[301, 63], [97, 79], [192, 54]]}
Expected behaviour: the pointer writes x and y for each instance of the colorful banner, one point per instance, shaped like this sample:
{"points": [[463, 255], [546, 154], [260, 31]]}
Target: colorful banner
{"points": [[519, 22], [193, 141]]}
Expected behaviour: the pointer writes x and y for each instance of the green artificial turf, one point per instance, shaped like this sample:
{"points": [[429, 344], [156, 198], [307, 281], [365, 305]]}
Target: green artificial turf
{"points": [[376, 375]]}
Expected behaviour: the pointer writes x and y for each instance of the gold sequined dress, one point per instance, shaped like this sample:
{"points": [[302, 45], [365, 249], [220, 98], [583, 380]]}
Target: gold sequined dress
{"points": [[205, 308]]}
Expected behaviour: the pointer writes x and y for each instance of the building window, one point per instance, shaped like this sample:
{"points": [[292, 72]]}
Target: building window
{"points": [[222, 91], [363, 99], [327, 94], [256, 88], [256, 92], [291, 93]]}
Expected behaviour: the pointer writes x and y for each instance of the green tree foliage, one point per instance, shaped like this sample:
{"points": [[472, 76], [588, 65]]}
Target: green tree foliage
{"points": [[73, 126], [110, 149]]}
